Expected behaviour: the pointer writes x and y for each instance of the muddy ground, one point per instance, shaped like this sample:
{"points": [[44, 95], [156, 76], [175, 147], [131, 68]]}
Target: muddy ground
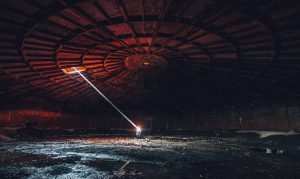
{"points": [[210, 155]]}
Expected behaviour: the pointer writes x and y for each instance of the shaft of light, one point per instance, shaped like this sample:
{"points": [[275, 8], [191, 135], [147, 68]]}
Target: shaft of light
{"points": [[125, 164], [91, 84]]}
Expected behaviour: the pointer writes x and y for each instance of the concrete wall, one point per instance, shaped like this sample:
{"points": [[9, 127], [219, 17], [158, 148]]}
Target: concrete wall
{"points": [[18, 118], [294, 117], [275, 118], [259, 118], [61, 119]]}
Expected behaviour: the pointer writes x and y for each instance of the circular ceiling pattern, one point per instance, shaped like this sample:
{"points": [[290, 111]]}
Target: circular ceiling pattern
{"points": [[147, 52], [145, 62]]}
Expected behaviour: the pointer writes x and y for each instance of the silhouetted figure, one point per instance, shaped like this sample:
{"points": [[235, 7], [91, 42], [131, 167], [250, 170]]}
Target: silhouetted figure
{"points": [[138, 132]]}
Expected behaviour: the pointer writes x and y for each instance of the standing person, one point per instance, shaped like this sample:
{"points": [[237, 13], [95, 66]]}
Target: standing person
{"points": [[138, 132]]}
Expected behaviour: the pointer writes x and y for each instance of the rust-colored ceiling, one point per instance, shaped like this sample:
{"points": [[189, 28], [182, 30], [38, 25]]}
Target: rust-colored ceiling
{"points": [[218, 52]]}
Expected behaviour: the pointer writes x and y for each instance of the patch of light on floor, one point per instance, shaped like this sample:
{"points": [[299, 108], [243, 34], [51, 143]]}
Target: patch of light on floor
{"points": [[264, 134], [66, 171]]}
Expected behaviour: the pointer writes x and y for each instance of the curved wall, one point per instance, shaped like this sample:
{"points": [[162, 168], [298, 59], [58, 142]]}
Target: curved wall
{"points": [[260, 118]]}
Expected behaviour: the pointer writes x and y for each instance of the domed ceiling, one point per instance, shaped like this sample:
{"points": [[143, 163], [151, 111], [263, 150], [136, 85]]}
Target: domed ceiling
{"points": [[151, 53]]}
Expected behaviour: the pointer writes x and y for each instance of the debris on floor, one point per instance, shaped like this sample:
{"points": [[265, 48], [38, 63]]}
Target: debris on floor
{"points": [[151, 157]]}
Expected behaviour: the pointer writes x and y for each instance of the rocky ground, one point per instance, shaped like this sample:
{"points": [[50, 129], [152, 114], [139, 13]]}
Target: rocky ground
{"points": [[208, 155]]}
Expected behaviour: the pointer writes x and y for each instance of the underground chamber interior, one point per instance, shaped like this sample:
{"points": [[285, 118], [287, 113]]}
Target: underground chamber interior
{"points": [[149, 89]]}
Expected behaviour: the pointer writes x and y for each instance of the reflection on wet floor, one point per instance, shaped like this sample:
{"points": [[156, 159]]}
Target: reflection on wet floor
{"points": [[151, 157]]}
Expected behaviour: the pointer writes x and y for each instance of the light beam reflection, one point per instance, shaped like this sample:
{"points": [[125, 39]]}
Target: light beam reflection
{"points": [[125, 165]]}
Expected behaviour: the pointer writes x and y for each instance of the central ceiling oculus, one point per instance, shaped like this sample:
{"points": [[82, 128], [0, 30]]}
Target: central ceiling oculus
{"points": [[145, 62]]}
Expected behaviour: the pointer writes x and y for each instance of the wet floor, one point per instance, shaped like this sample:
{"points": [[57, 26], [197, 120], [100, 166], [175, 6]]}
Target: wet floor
{"points": [[151, 157]]}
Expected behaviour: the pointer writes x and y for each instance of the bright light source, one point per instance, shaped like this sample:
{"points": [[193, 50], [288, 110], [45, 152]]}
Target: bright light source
{"points": [[138, 129], [138, 132], [70, 71], [146, 63]]}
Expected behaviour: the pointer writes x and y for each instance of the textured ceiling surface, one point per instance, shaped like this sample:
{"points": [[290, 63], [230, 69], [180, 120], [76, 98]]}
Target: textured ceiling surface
{"points": [[213, 51]]}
